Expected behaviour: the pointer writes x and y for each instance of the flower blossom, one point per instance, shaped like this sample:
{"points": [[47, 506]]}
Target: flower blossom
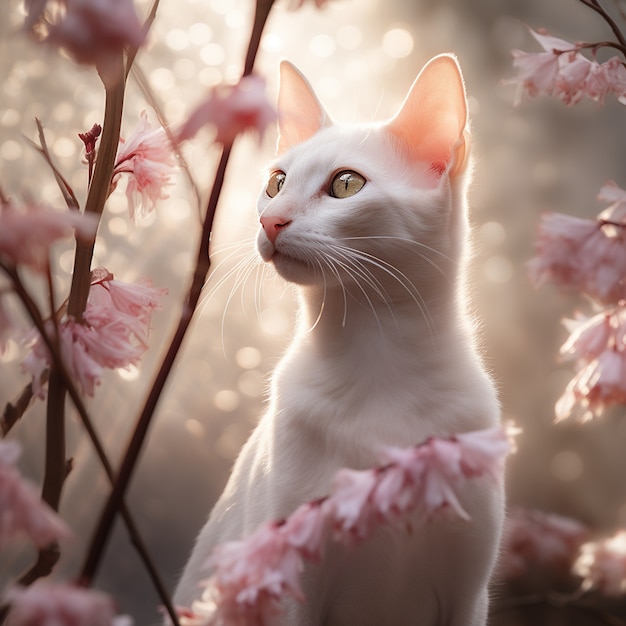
{"points": [[47, 604], [115, 333], [599, 384], [250, 575], [232, 110], [560, 70], [587, 255], [147, 158], [26, 234], [535, 541], [602, 564], [93, 32], [21, 508]]}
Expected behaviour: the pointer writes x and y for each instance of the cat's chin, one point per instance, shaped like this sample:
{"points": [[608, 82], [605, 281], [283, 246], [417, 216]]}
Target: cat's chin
{"points": [[293, 270]]}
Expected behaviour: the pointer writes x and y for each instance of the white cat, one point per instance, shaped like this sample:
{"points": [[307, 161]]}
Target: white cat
{"points": [[369, 222]]}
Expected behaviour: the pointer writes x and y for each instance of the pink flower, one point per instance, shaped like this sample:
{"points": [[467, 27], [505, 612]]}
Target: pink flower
{"points": [[114, 335], [563, 72], [598, 82], [48, 604], [581, 254], [537, 72], [147, 158], [598, 385], [590, 337], [572, 80], [232, 110], [306, 529], [616, 76], [250, 575], [21, 509], [602, 564], [26, 234], [96, 32], [536, 541]]}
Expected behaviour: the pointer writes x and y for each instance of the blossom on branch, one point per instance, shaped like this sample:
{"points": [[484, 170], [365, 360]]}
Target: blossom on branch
{"points": [[582, 254], [114, 333], [146, 156], [93, 32], [21, 509], [27, 233], [48, 604], [251, 574], [602, 564], [535, 541], [232, 110], [562, 71]]}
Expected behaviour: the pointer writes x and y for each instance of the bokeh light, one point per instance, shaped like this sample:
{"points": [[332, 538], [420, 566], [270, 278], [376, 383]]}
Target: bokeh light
{"points": [[360, 56]]}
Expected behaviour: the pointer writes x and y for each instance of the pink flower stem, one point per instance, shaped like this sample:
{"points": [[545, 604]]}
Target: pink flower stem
{"points": [[595, 5], [203, 264], [45, 561]]}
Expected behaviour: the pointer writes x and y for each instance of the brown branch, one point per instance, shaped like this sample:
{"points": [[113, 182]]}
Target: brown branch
{"points": [[203, 264], [46, 556], [64, 186], [13, 411], [595, 6]]}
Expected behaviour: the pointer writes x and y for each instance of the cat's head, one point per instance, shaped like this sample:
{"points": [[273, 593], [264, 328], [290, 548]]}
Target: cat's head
{"points": [[377, 205]]}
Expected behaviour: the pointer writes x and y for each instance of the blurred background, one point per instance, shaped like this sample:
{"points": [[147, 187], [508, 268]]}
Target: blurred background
{"points": [[361, 57]]}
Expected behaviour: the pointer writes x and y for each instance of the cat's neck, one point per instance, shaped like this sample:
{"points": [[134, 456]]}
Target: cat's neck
{"points": [[336, 324]]}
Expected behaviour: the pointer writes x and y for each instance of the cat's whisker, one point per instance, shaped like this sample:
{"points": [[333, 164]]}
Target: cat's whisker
{"points": [[241, 271], [344, 293], [402, 280], [323, 301], [347, 269], [359, 270], [415, 243]]}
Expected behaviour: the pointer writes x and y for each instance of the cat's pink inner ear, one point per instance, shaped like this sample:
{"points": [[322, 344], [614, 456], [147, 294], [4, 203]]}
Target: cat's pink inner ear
{"points": [[432, 123], [300, 114]]}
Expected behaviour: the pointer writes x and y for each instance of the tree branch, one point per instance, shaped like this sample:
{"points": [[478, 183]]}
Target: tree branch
{"points": [[203, 264]]}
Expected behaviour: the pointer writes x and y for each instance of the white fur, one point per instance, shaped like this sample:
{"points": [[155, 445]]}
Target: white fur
{"points": [[384, 354]]}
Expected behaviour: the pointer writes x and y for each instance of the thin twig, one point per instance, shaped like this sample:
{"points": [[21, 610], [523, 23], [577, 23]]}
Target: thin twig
{"points": [[14, 410], [203, 264], [595, 6], [64, 186], [45, 558]]}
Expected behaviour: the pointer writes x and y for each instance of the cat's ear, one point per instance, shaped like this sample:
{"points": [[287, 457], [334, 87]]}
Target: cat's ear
{"points": [[300, 114], [432, 124]]}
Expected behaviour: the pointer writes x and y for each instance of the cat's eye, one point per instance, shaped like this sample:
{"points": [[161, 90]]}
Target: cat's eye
{"points": [[346, 184], [275, 183]]}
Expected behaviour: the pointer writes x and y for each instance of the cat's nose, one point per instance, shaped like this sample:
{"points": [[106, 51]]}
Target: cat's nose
{"points": [[273, 224]]}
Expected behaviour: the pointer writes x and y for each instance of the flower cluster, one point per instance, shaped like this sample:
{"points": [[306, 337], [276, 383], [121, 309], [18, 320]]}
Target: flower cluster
{"points": [[21, 508], [582, 254], [92, 32], [113, 334], [45, 604], [232, 110], [602, 564], [250, 575], [589, 256], [147, 158], [598, 344], [537, 541], [26, 233], [562, 71]]}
